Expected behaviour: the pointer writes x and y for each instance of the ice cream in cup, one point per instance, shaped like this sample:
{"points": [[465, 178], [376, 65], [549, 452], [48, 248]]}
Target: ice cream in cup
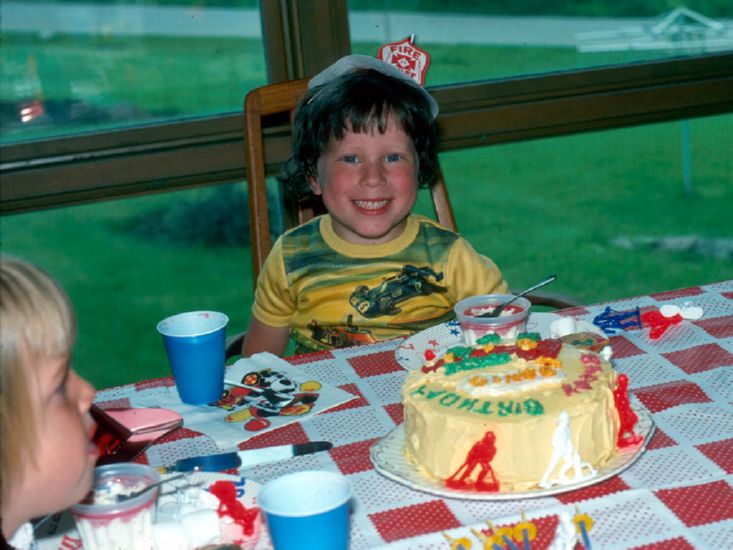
{"points": [[106, 520], [511, 321]]}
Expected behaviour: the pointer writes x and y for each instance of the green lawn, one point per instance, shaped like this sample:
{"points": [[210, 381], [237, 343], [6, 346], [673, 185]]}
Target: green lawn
{"points": [[554, 205], [122, 284], [546, 206], [539, 207], [100, 82]]}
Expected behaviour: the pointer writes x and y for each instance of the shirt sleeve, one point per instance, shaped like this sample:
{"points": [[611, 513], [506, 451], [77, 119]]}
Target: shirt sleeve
{"points": [[470, 273], [273, 304]]}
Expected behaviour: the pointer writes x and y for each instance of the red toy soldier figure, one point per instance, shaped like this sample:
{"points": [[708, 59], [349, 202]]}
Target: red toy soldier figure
{"points": [[627, 416], [481, 454], [658, 323]]}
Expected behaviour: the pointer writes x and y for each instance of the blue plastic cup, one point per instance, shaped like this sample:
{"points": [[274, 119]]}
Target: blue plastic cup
{"points": [[307, 510], [195, 343]]}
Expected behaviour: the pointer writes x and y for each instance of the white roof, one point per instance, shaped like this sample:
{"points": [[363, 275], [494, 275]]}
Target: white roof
{"points": [[681, 29]]}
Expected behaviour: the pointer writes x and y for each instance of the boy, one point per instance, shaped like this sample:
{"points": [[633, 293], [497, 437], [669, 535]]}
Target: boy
{"points": [[369, 270]]}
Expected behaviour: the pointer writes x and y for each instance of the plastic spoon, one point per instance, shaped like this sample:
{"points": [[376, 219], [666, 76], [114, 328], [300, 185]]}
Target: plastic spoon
{"points": [[121, 498], [497, 310]]}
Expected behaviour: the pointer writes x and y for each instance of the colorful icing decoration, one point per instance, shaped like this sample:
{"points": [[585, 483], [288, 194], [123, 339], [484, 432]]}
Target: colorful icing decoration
{"points": [[489, 339], [480, 455], [588, 340], [627, 417], [566, 456], [526, 344], [463, 358], [447, 399], [583, 525], [591, 370], [473, 362], [611, 321]]}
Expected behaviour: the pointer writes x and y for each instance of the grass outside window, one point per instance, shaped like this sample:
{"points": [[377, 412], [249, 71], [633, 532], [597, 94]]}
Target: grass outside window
{"points": [[540, 207]]}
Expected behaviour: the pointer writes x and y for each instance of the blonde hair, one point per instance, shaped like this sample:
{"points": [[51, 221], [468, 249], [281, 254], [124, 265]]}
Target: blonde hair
{"points": [[36, 322]]}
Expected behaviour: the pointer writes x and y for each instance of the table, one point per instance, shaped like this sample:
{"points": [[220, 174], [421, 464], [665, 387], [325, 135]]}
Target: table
{"points": [[679, 494]]}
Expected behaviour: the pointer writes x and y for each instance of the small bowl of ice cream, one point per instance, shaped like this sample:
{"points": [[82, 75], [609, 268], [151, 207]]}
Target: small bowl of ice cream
{"points": [[106, 520], [511, 321]]}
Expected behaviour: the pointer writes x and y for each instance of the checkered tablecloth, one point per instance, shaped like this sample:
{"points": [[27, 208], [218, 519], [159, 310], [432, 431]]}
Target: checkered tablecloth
{"points": [[679, 494]]}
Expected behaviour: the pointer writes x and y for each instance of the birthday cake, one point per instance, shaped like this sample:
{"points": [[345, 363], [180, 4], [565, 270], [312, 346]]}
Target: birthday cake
{"points": [[516, 416]]}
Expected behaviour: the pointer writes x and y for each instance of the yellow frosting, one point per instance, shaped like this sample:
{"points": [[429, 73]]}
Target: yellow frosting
{"points": [[520, 402]]}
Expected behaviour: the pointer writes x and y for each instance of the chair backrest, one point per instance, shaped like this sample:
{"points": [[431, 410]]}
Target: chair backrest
{"points": [[282, 98]]}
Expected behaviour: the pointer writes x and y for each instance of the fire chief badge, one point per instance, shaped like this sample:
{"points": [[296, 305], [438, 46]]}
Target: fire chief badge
{"points": [[407, 57]]}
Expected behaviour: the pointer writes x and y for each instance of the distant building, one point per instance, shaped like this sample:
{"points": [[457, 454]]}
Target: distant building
{"points": [[681, 30]]}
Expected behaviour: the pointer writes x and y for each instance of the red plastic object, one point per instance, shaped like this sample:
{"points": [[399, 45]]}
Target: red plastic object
{"points": [[123, 433]]}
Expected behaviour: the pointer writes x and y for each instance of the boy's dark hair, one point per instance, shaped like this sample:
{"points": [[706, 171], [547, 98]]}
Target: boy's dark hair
{"points": [[361, 100]]}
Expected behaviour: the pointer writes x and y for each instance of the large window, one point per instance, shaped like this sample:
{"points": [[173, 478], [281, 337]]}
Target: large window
{"points": [[614, 213], [129, 263], [83, 66], [471, 41], [117, 101]]}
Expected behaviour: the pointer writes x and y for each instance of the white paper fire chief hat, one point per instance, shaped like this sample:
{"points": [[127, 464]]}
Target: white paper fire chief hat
{"points": [[355, 62]]}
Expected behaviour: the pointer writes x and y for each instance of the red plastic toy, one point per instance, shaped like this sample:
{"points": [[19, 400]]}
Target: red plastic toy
{"points": [[481, 455], [626, 414]]}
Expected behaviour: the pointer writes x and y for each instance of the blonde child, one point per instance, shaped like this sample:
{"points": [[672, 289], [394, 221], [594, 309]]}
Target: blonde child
{"points": [[47, 457], [369, 270]]}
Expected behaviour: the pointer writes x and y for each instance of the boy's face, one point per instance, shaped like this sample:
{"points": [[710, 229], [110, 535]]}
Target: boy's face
{"points": [[368, 183], [65, 454]]}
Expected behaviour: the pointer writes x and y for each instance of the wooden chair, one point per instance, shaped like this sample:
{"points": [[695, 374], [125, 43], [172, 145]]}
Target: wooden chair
{"points": [[282, 99]]}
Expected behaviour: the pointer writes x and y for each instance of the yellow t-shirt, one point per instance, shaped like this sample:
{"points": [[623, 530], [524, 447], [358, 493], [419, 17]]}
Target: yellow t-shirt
{"points": [[332, 293]]}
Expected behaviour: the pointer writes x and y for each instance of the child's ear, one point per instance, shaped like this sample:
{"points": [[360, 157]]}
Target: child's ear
{"points": [[315, 185]]}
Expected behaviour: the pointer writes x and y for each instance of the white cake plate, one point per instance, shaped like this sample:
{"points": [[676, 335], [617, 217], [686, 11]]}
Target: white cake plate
{"points": [[411, 353], [388, 457]]}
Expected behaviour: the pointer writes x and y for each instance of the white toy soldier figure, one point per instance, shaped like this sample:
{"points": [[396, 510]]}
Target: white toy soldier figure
{"points": [[565, 455], [566, 537]]}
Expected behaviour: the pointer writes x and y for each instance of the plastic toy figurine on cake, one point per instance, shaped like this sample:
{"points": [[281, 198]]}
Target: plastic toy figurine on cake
{"points": [[515, 415]]}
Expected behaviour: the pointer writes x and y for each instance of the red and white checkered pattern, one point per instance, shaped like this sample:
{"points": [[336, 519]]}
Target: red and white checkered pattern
{"points": [[679, 494]]}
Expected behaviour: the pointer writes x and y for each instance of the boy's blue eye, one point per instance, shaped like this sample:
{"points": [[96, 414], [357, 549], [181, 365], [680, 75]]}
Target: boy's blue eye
{"points": [[393, 157], [350, 158]]}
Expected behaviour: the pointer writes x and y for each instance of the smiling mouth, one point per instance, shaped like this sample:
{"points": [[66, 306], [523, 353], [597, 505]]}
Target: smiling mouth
{"points": [[371, 205]]}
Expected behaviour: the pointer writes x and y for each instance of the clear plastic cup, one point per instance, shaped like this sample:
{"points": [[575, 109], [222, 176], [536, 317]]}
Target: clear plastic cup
{"points": [[104, 523], [195, 343], [511, 321]]}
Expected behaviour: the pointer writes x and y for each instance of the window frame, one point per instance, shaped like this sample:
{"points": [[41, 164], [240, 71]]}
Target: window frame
{"points": [[190, 153]]}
